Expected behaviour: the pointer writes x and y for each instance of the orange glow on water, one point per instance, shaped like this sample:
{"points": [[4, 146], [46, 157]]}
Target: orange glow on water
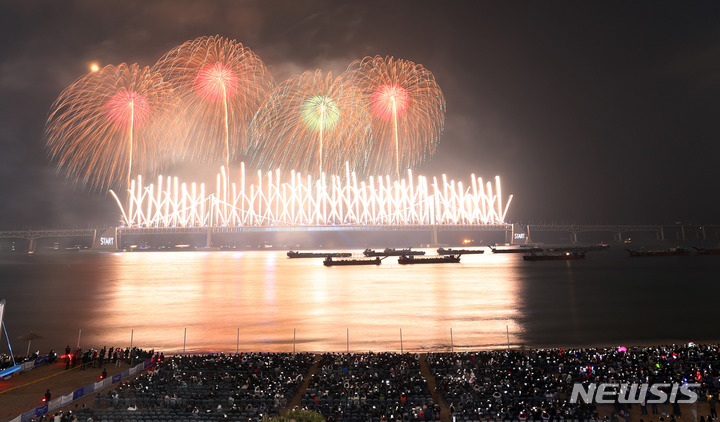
{"points": [[269, 298]]}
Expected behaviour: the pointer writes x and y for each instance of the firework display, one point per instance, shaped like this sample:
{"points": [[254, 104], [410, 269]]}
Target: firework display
{"points": [[304, 200], [313, 124], [212, 100], [220, 85], [106, 128], [408, 111]]}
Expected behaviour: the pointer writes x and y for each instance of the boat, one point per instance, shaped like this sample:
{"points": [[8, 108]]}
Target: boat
{"points": [[297, 254], [330, 262], [515, 249], [392, 252], [554, 256], [577, 248], [411, 259], [660, 252], [451, 251], [707, 251]]}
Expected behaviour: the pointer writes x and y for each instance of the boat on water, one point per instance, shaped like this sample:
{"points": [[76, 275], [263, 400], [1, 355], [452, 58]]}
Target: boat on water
{"points": [[707, 251], [660, 252], [411, 259], [298, 254], [577, 248], [392, 252], [515, 249], [554, 256], [450, 251], [330, 262]]}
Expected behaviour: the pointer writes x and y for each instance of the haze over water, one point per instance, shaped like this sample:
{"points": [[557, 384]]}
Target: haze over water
{"points": [[152, 297]]}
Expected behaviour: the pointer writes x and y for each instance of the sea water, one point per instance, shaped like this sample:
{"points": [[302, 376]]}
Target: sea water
{"points": [[227, 301]]}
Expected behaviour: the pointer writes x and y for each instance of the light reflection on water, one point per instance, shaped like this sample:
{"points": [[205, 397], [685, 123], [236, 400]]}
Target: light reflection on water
{"points": [[155, 296], [271, 302]]}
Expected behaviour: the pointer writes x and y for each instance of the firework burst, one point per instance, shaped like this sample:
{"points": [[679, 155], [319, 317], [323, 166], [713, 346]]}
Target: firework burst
{"points": [[407, 108], [312, 124], [101, 130], [221, 84]]}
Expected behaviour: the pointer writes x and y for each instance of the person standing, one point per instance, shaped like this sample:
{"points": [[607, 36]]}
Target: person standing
{"points": [[712, 402], [676, 412], [643, 406], [693, 410]]}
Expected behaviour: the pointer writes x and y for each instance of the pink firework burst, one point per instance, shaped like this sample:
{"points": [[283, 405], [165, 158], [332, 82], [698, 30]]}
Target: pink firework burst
{"points": [[126, 107], [216, 82], [389, 99]]}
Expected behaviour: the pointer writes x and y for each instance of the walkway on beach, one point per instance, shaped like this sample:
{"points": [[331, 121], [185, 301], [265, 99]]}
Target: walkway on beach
{"points": [[432, 386], [22, 392]]}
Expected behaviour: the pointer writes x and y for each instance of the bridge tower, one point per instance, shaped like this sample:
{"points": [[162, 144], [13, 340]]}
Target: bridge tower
{"points": [[106, 239], [518, 235]]}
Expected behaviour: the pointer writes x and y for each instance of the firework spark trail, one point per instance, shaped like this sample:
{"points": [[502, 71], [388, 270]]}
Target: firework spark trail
{"points": [[221, 84], [408, 110], [121, 121], [307, 201], [104, 129], [312, 123]]}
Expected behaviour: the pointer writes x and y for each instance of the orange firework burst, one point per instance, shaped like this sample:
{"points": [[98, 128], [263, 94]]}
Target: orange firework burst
{"points": [[221, 84], [312, 124], [408, 110], [101, 130]]}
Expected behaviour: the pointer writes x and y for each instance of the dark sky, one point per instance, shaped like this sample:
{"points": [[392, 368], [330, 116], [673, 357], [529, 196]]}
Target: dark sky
{"points": [[591, 112]]}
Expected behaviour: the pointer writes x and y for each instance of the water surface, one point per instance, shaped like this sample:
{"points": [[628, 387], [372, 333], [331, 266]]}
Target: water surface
{"points": [[263, 301]]}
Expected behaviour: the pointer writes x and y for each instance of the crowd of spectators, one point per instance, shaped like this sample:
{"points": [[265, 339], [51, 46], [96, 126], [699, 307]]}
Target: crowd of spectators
{"points": [[537, 384], [6, 361], [370, 387], [207, 387], [500, 385], [97, 358]]}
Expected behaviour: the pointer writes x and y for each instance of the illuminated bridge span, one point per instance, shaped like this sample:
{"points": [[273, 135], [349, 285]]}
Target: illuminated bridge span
{"points": [[33, 235], [619, 231], [109, 238], [513, 232]]}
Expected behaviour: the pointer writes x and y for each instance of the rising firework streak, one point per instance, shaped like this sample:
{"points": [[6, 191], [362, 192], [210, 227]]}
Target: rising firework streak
{"points": [[304, 200]]}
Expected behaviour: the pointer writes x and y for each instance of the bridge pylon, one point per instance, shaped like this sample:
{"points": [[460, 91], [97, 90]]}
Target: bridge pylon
{"points": [[106, 240]]}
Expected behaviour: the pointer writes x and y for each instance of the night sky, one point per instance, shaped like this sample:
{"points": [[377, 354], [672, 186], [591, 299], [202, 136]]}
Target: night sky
{"points": [[591, 112]]}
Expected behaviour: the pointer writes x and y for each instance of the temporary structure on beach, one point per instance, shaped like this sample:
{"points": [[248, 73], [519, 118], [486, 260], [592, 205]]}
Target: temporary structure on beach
{"points": [[29, 337], [15, 367]]}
